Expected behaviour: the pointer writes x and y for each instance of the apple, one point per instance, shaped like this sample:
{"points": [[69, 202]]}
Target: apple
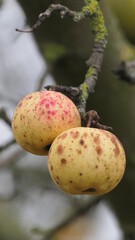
{"points": [[86, 161], [40, 117]]}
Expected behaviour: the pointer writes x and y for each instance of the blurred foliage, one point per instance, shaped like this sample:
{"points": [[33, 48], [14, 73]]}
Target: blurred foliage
{"points": [[133, 158], [125, 13], [11, 230], [72, 36], [53, 52]]}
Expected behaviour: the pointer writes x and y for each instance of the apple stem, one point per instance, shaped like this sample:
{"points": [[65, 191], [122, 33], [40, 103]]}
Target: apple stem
{"points": [[92, 120]]}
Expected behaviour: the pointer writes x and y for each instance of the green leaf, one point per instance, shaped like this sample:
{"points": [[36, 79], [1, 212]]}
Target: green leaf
{"points": [[53, 52]]}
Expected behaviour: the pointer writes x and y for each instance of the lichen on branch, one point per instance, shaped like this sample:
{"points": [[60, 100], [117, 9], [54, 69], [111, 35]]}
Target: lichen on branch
{"points": [[97, 19], [100, 35]]}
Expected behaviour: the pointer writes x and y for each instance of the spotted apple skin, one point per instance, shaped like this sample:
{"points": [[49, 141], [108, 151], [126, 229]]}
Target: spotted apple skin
{"points": [[40, 117], [86, 161]]}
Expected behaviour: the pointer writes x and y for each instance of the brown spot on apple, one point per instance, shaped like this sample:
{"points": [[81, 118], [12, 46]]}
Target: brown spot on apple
{"points": [[91, 189], [63, 161], [30, 97], [79, 151], [116, 149], [99, 150], [21, 117], [81, 142], [52, 167], [97, 139], [85, 135], [74, 134], [107, 134], [64, 135]]}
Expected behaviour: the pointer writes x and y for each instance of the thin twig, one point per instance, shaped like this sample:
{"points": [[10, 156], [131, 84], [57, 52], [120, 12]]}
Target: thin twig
{"points": [[42, 79], [43, 16], [126, 72], [4, 116], [2, 148], [72, 92], [10, 159]]}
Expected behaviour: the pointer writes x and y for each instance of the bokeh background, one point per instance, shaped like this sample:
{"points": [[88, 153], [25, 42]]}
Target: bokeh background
{"points": [[31, 207]]}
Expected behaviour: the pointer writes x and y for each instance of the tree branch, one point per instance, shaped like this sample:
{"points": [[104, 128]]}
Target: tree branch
{"points": [[126, 72], [79, 211], [43, 16], [10, 159], [79, 95], [4, 116], [2, 148]]}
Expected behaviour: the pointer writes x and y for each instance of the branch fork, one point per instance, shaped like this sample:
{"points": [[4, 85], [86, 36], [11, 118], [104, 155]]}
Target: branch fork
{"points": [[79, 95]]}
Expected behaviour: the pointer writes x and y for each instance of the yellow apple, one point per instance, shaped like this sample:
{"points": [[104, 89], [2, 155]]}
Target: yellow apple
{"points": [[40, 117], [86, 161]]}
